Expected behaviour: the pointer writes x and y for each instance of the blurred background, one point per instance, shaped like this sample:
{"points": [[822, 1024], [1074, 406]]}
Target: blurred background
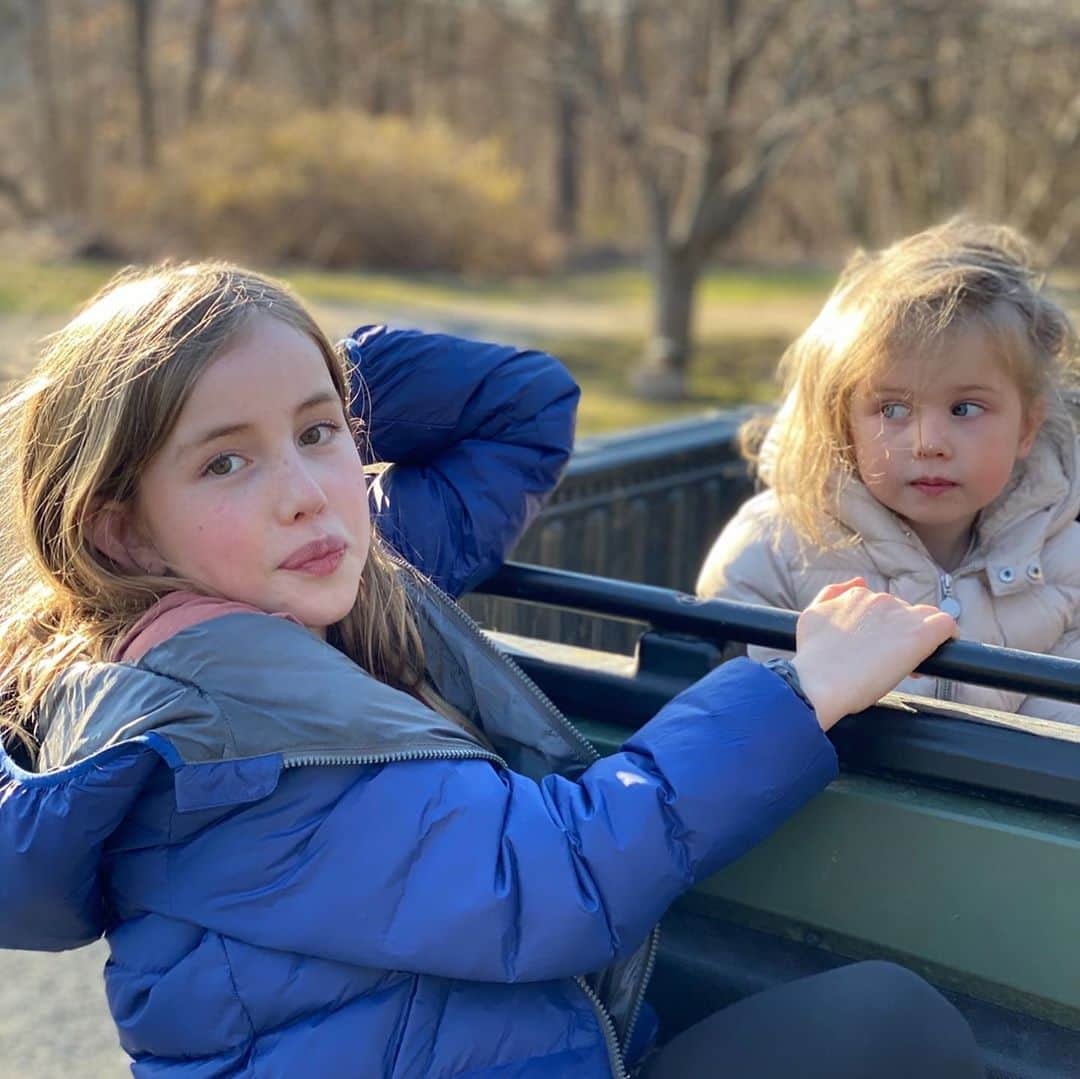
{"points": [[658, 191]]}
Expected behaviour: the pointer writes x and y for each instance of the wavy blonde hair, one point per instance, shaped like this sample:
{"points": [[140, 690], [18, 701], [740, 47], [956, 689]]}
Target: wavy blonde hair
{"points": [[100, 403], [903, 299]]}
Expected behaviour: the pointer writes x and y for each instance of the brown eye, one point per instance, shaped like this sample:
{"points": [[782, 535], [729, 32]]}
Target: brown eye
{"points": [[317, 434], [223, 465]]}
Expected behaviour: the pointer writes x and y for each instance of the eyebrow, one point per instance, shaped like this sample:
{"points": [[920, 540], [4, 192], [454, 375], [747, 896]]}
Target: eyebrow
{"points": [[906, 391], [214, 433]]}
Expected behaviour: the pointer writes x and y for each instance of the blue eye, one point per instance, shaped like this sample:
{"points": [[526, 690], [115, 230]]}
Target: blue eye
{"points": [[895, 410], [222, 465], [967, 409]]}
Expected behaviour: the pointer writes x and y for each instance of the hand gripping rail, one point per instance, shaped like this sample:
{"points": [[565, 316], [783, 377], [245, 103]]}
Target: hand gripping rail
{"points": [[946, 744], [720, 621]]}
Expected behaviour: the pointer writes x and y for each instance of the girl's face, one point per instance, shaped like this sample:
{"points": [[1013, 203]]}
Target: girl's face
{"points": [[936, 438], [258, 494]]}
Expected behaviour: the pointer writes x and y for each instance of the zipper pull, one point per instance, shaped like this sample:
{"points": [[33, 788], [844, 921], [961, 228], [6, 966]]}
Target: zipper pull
{"points": [[949, 603]]}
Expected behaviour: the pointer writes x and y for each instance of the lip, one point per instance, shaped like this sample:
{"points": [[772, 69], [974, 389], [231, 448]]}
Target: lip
{"points": [[933, 485], [319, 557]]}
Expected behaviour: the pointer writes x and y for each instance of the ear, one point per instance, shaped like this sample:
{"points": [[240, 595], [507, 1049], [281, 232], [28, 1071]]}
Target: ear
{"points": [[1034, 415], [114, 533]]}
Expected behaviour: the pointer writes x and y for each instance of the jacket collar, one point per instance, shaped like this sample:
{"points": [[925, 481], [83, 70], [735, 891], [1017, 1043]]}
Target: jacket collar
{"points": [[206, 690]]}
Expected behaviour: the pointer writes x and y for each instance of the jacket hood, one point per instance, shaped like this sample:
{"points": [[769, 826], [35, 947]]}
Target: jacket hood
{"points": [[203, 704], [52, 832], [106, 728]]}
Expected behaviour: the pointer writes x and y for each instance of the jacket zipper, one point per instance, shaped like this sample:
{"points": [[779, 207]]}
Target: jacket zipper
{"points": [[305, 760], [608, 1024], [588, 753], [639, 1000], [949, 604], [590, 756], [607, 1027]]}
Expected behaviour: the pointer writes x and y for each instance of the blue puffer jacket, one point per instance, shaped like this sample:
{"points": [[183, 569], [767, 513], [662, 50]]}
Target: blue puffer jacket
{"points": [[303, 872]]}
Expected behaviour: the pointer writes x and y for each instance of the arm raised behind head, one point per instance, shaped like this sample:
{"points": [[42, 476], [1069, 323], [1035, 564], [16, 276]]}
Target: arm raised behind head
{"points": [[476, 436]]}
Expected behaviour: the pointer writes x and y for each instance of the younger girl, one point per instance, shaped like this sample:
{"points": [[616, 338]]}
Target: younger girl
{"points": [[924, 444], [326, 827]]}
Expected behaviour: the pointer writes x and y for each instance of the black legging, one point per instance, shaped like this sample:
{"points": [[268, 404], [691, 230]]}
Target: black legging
{"points": [[863, 1021]]}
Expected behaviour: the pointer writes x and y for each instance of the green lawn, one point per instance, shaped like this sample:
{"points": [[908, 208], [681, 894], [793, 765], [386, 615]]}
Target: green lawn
{"points": [[595, 322], [49, 288], [52, 287], [725, 373]]}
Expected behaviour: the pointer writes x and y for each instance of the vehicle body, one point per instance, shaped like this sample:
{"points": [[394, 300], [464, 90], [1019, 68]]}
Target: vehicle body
{"points": [[951, 841]]}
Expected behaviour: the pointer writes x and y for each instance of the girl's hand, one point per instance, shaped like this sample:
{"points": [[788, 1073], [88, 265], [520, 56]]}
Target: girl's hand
{"points": [[853, 646]]}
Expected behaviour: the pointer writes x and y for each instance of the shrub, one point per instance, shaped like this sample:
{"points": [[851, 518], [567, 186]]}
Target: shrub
{"points": [[333, 189]]}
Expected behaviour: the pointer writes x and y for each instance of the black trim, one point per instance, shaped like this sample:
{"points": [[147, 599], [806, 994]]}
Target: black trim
{"points": [[943, 749], [722, 621], [946, 751]]}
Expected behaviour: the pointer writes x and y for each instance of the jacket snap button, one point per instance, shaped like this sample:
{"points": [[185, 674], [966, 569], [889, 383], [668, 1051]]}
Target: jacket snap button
{"points": [[1034, 572], [1006, 575]]}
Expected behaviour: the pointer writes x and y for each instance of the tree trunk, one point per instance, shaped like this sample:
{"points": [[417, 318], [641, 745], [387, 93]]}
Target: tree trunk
{"points": [[242, 62], [567, 162], [14, 191], [663, 372], [200, 59], [50, 137], [566, 116], [142, 12], [377, 59], [328, 66]]}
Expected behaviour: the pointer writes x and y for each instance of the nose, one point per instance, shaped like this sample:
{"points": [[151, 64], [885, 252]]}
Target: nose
{"points": [[931, 437], [300, 495]]}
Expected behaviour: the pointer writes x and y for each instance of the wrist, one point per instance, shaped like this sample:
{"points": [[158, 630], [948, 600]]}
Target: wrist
{"points": [[788, 672], [819, 691]]}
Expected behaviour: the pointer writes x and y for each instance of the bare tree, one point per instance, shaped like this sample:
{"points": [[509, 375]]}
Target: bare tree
{"points": [[707, 99], [991, 125], [1061, 143], [242, 61]]}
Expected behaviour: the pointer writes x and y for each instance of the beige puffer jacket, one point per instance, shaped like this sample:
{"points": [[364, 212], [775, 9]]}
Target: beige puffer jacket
{"points": [[1018, 586]]}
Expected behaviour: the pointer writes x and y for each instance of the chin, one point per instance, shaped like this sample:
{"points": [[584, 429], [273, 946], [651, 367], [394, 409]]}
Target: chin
{"points": [[322, 619], [332, 613]]}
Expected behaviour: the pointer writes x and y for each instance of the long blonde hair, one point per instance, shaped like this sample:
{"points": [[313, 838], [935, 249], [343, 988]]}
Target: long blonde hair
{"points": [[100, 403], [903, 298]]}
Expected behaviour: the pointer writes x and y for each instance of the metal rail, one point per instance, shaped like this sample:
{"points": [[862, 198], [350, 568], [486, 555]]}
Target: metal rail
{"points": [[721, 621]]}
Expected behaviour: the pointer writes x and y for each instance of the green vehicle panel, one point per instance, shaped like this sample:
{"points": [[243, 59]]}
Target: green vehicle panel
{"points": [[951, 840]]}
